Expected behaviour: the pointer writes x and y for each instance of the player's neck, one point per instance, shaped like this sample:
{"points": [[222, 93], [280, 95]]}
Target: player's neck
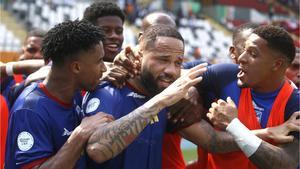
{"points": [[60, 86], [270, 85], [136, 83]]}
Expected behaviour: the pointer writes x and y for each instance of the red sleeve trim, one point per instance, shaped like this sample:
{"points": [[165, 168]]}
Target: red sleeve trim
{"points": [[34, 163]]}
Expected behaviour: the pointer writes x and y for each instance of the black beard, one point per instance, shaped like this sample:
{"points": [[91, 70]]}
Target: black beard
{"points": [[148, 81]]}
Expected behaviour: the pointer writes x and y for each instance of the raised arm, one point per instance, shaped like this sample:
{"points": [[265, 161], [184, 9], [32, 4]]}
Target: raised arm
{"points": [[111, 139], [261, 153], [20, 67], [216, 141], [204, 135], [71, 151]]}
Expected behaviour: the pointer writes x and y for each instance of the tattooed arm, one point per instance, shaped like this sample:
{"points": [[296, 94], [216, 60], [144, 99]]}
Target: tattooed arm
{"points": [[110, 139], [285, 156], [216, 141], [204, 135], [262, 154]]}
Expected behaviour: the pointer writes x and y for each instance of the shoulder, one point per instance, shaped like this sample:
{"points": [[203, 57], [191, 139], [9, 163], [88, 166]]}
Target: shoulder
{"points": [[294, 100], [191, 64], [219, 75], [29, 98], [104, 98], [223, 69], [293, 104], [105, 91]]}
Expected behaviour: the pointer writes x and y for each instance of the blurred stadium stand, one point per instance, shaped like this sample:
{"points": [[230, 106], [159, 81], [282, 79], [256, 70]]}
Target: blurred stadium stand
{"points": [[204, 24]]}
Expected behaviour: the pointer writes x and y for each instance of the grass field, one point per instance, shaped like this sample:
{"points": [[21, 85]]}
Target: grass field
{"points": [[189, 154], [189, 150]]}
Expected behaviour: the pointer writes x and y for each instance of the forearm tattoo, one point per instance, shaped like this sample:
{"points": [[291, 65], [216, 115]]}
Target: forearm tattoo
{"points": [[269, 156], [110, 139]]}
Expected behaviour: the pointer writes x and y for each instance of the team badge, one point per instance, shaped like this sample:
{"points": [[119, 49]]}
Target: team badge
{"points": [[25, 141], [92, 105]]}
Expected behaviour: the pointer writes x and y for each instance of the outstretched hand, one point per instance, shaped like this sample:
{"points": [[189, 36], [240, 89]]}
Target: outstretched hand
{"points": [[126, 65], [130, 60], [222, 113], [179, 89], [280, 134], [89, 124]]}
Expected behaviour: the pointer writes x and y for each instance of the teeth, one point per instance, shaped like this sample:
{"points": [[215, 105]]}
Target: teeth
{"points": [[113, 45], [167, 81], [241, 73]]}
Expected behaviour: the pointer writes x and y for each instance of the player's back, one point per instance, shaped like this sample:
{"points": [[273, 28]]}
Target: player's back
{"points": [[39, 125]]}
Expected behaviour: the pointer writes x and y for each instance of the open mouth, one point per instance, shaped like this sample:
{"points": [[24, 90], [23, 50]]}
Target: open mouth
{"points": [[241, 73], [113, 47]]}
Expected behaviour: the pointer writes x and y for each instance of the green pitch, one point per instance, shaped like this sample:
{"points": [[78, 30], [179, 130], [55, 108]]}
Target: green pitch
{"points": [[189, 154]]}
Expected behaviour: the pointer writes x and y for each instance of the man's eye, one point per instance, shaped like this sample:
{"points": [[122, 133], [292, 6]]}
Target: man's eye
{"points": [[252, 53], [178, 64]]}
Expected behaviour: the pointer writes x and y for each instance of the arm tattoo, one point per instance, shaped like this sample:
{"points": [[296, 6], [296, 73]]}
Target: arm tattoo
{"points": [[204, 135], [219, 141], [272, 157], [110, 139]]}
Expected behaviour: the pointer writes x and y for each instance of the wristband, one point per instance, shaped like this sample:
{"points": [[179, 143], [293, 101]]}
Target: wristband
{"points": [[247, 141], [9, 68]]}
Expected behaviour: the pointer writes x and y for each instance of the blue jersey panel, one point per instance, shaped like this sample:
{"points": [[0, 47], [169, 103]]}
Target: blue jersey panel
{"points": [[220, 81], [145, 151], [38, 128]]}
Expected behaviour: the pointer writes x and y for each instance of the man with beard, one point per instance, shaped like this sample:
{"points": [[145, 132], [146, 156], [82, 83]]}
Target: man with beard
{"points": [[264, 98], [46, 120], [162, 49]]}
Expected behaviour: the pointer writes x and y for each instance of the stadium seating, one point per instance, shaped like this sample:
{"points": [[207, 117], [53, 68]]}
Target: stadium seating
{"points": [[8, 41]]}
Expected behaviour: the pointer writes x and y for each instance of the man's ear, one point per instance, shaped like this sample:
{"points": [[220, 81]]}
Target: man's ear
{"points": [[140, 36], [231, 49], [75, 67], [279, 63], [232, 54], [140, 51]]}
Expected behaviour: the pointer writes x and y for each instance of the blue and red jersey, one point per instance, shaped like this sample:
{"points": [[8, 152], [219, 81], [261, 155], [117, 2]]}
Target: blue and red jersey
{"points": [[39, 125], [145, 152], [219, 82]]}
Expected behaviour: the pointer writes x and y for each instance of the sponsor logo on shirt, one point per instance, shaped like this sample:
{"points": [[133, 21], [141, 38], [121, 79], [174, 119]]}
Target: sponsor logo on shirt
{"points": [[135, 95], [66, 132], [259, 111], [25, 141], [92, 105], [78, 109]]}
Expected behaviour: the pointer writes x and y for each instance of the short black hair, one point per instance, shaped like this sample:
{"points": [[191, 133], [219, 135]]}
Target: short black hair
{"points": [[69, 38], [152, 32], [240, 29], [278, 39], [102, 8], [36, 32]]}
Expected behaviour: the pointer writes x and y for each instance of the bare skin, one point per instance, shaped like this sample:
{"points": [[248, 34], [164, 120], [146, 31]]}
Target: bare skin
{"points": [[111, 139], [267, 155], [22, 67]]}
